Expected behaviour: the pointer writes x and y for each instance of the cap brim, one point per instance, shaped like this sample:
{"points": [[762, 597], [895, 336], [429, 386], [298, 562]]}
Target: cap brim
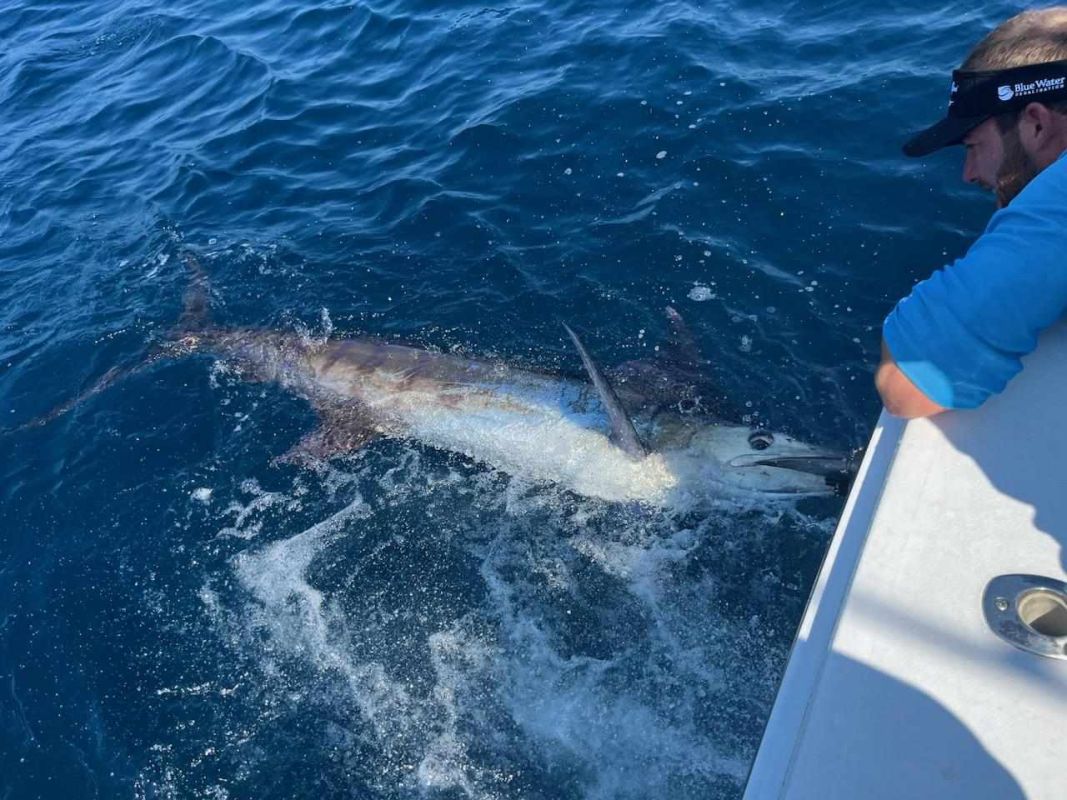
{"points": [[943, 133]]}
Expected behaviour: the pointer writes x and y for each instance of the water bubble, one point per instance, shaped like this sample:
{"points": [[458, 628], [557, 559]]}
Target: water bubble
{"points": [[701, 293]]}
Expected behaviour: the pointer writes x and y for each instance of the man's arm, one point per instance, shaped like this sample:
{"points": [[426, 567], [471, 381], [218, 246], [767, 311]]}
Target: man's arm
{"points": [[901, 397]]}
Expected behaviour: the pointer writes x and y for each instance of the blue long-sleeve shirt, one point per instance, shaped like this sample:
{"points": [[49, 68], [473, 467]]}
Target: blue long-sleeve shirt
{"points": [[961, 334]]}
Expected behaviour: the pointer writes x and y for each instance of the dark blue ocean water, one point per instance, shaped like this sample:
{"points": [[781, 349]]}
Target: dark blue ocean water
{"points": [[180, 618]]}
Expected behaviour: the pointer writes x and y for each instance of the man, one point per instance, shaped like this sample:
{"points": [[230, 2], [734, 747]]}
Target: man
{"points": [[960, 336]]}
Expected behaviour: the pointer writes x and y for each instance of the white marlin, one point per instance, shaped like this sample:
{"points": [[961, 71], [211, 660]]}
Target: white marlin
{"points": [[642, 435]]}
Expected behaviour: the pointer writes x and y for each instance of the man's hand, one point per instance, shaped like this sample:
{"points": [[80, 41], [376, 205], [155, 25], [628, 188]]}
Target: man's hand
{"points": [[901, 397]]}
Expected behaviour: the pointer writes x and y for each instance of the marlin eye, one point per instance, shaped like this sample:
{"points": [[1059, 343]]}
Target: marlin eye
{"points": [[760, 440]]}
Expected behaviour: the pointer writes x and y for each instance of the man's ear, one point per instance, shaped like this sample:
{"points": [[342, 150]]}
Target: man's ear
{"points": [[1035, 125], [1042, 134]]}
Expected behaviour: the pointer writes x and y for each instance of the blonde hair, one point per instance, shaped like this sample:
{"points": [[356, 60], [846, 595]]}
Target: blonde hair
{"points": [[1032, 37]]}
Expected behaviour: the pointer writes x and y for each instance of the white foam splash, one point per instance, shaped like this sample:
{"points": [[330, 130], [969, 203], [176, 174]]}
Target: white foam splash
{"points": [[629, 721], [303, 622]]}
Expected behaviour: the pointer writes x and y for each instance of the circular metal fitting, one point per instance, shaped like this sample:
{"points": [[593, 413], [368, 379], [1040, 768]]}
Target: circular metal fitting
{"points": [[1028, 611]]}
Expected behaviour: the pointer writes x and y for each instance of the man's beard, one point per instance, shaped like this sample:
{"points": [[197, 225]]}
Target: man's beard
{"points": [[1016, 170]]}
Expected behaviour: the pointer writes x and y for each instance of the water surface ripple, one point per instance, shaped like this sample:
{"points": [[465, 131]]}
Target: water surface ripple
{"points": [[180, 618]]}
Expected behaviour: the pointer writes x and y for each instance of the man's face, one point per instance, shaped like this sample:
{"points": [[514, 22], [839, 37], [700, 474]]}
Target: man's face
{"points": [[997, 161]]}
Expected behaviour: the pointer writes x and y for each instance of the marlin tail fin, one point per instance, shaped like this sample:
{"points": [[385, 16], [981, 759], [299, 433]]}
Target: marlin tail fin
{"points": [[181, 341]]}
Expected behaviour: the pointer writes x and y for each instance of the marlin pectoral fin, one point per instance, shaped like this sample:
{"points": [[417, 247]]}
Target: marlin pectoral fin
{"points": [[341, 431], [623, 434], [324, 443]]}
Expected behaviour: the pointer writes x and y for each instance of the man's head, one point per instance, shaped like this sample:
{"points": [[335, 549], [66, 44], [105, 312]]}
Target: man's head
{"points": [[1008, 104]]}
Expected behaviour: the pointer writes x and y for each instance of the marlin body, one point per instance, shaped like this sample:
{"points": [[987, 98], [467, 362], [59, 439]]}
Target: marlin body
{"points": [[582, 435], [642, 433]]}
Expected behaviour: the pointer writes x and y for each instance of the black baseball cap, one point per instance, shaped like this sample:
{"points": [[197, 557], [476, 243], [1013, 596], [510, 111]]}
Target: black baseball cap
{"points": [[977, 96]]}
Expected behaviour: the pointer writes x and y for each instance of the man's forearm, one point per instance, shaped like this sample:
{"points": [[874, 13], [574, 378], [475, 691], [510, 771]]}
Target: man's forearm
{"points": [[901, 397]]}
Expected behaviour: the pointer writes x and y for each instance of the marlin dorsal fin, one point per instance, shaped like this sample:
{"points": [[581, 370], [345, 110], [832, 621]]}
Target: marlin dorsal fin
{"points": [[681, 350], [623, 434], [195, 315]]}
